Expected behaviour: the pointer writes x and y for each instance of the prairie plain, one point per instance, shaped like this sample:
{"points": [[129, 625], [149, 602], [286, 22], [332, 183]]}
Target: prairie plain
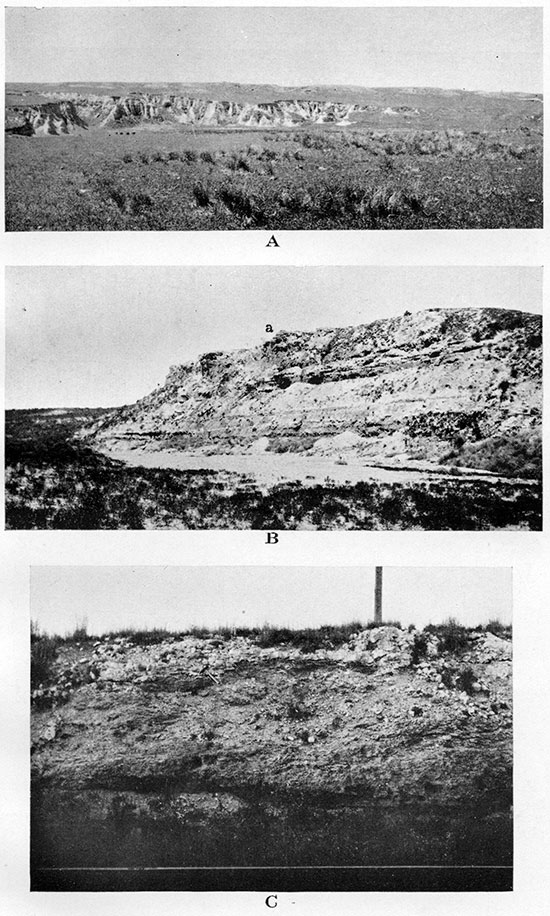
{"points": [[231, 156]]}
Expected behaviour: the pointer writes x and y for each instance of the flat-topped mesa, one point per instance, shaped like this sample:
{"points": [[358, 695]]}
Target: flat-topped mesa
{"points": [[407, 388]]}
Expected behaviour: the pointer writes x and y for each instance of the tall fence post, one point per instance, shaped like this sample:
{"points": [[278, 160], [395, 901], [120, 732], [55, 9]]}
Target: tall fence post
{"points": [[378, 596]]}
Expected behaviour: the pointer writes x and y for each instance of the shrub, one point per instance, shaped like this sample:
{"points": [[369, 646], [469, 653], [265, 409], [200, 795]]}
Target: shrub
{"points": [[465, 681], [420, 648], [43, 656], [514, 455], [127, 157], [190, 155], [497, 628], [173, 155], [453, 637]]}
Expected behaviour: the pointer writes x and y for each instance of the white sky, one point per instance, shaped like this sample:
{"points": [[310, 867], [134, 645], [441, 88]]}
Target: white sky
{"points": [[94, 336], [489, 48], [113, 597]]}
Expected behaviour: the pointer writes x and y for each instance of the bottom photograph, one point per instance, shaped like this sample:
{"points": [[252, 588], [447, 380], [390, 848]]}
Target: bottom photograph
{"points": [[271, 728]]}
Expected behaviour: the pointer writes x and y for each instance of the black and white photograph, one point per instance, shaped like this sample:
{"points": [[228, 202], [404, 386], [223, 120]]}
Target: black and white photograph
{"points": [[274, 518], [292, 398], [234, 118], [299, 727]]}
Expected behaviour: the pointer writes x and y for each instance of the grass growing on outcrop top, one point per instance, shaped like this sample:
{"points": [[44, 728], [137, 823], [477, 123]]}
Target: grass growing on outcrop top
{"points": [[450, 636]]}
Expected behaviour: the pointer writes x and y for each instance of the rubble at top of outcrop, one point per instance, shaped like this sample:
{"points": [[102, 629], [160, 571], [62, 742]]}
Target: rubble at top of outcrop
{"points": [[227, 712], [111, 661]]}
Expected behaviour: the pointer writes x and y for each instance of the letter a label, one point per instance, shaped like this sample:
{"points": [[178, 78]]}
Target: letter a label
{"points": [[273, 243]]}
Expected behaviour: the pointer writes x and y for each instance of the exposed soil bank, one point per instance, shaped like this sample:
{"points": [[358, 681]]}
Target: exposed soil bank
{"points": [[220, 752]]}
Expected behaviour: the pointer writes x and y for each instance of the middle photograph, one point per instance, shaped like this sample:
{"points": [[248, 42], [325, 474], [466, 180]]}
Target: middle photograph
{"points": [[360, 398]]}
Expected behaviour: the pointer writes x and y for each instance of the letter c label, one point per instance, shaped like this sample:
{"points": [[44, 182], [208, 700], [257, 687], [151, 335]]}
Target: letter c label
{"points": [[271, 905]]}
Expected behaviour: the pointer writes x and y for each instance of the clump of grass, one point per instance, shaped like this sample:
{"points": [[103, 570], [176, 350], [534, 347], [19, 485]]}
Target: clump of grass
{"points": [[141, 203], [241, 202], [239, 162], [80, 632], [307, 639], [43, 656], [127, 157], [146, 637], [201, 194], [190, 155], [118, 197], [207, 156], [497, 628]]}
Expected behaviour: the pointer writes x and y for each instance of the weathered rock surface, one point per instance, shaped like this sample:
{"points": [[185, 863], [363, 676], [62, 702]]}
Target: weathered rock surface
{"points": [[228, 715], [218, 751], [397, 390], [108, 111], [101, 105]]}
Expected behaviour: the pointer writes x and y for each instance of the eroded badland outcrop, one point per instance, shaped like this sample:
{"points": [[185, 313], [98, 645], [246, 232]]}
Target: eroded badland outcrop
{"points": [[65, 108], [420, 387]]}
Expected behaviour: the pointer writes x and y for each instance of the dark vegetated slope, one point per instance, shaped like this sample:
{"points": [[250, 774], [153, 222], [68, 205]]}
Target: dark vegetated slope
{"points": [[72, 487]]}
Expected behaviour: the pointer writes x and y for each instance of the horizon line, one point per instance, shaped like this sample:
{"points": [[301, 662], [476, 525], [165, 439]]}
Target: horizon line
{"points": [[239, 83]]}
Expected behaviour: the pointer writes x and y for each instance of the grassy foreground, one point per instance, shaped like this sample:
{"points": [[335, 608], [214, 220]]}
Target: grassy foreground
{"points": [[319, 178]]}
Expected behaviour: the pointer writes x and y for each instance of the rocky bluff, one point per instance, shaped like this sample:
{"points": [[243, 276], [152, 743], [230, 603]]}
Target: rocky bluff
{"points": [[64, 116], [421, 386]]}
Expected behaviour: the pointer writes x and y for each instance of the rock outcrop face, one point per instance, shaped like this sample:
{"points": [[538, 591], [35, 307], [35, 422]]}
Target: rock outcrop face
{"points": [[397, 390], [108, 111], [370, 738], [51, 118]]}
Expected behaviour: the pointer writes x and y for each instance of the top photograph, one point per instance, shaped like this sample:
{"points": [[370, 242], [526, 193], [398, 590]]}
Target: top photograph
{"points": [[230, 118]]}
